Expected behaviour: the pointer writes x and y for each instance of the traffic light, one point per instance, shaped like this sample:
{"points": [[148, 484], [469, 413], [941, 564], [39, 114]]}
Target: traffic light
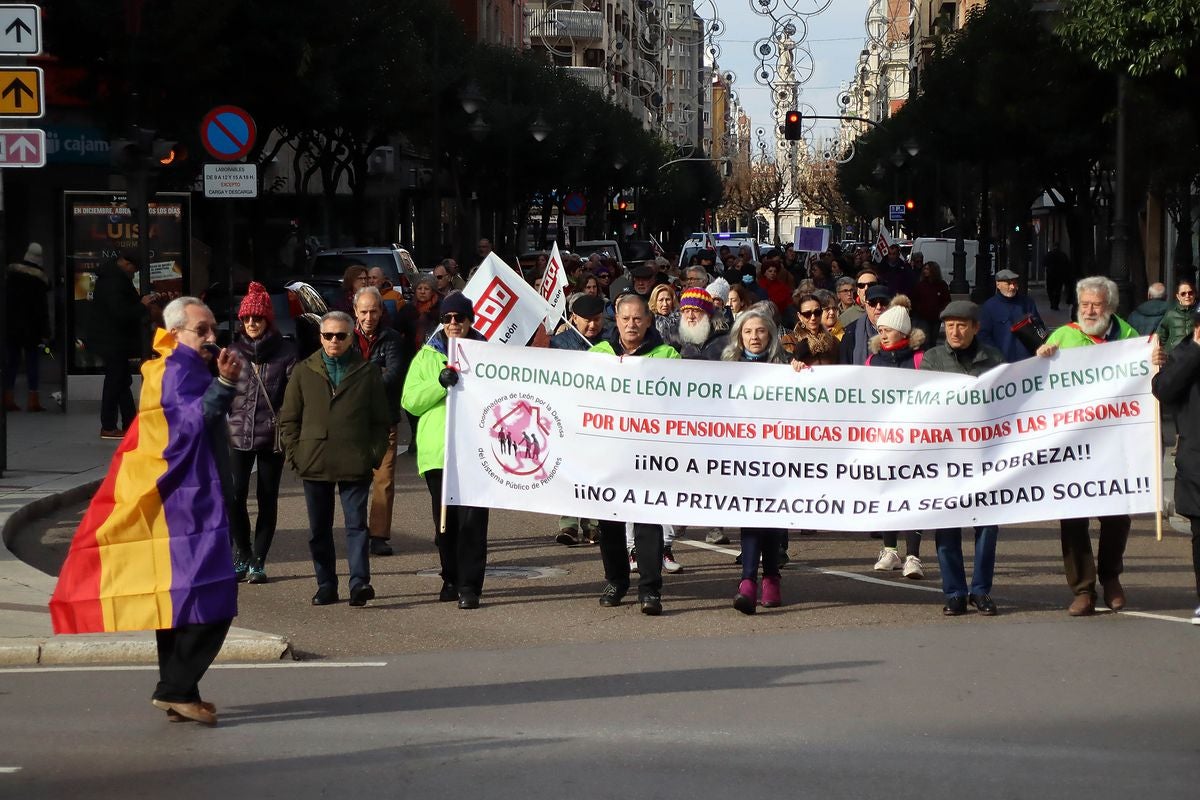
{"points": [[792, 122], [140, 158], [622, 203], [909, 205]]}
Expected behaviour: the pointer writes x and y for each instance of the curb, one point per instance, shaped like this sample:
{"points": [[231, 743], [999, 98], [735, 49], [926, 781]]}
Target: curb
{"points": [[241, 645]]}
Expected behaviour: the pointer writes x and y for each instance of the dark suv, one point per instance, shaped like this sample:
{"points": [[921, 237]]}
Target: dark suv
{"points": [[326, 268]]}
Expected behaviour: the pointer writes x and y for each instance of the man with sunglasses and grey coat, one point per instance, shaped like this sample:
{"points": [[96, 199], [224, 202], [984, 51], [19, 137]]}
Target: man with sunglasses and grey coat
{"points": [[334, 425]]}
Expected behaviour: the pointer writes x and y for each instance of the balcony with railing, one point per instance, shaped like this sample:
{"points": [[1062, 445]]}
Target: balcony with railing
{"points": [[566, 24], [592, 77]]}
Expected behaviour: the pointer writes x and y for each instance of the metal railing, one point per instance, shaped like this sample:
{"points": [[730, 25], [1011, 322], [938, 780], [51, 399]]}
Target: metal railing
{"points": [[566, 24]]}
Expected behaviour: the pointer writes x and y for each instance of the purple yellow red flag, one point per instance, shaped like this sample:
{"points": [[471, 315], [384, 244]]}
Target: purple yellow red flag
{"points": [[153, 549]]}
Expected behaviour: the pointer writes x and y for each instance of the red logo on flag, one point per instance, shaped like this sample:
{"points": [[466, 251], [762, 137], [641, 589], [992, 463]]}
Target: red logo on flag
{"points": [[493, 307], [550, 279]]}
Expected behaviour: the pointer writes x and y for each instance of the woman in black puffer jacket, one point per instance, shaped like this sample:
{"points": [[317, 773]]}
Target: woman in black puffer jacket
{"points": [[253, 425]]}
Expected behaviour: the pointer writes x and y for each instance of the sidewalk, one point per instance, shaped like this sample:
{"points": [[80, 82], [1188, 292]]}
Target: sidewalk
{"points": [[58, 459]]}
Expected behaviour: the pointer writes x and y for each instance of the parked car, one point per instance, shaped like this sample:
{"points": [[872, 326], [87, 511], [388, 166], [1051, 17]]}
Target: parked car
{"points": [[326, 268], [603, 246]]}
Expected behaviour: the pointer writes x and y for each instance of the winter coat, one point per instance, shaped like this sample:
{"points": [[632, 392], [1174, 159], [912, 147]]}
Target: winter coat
{"points": [[814, 349], [907, 357], [1146, 317], [335, 434], [929, 298], [254, 415], [424, 397], [996, 318], [386, 351], [415, 327], [853, 347], [1176, 325], [709, 351], [28, 321], [974, 360], [1071, 336], [570, 339], [777, 291], [652, 346], [117, 328], [1178, 384]]}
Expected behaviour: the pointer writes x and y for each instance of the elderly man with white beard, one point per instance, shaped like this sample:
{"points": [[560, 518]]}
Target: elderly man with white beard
{"points": [[1097, 324], [697, 337]]}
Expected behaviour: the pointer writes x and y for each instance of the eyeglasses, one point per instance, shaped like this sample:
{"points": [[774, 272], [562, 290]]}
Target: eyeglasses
{"points": [[334, 336], [202, 330], [440, 277], [453, 316], [867, 284], [1183, 293], [878, 303], [847, 289], [809, 314]]}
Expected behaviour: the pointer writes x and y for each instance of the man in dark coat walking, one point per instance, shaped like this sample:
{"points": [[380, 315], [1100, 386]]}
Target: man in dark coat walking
{"points": [[118, 335], [28, 324]]}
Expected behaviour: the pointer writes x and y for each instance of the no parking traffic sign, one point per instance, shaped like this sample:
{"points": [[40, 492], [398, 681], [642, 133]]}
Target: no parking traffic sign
{"points": [[227, 133]]}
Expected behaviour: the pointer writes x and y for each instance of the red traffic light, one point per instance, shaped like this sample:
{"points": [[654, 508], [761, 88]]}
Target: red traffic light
{"points": [[792, 126], [793, 117], [909, 205]]}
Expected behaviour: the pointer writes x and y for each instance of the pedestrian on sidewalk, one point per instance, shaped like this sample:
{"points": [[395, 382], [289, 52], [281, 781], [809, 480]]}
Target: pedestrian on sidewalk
{"points": [[27, 325], [963, 354], [334, 425], [268, 360], [117, 334], [1097, 323], [462, 541], [382, 346], [152, 552], [1178, 386], [1002, 313]]}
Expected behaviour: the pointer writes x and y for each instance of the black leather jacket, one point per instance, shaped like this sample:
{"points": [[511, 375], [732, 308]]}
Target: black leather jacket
{"points": [[386, 351], [250, 419]]}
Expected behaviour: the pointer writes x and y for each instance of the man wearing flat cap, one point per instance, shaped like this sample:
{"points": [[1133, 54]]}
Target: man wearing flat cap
{"points": [[587, 319], [1002, 312], [964, 354]]}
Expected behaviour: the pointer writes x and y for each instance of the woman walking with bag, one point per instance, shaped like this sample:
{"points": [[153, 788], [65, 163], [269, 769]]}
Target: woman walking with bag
{"points": [[254, 430]]}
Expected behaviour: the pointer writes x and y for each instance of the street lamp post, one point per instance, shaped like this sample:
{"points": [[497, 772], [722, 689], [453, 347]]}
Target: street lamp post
{"points": [[958, 283]]}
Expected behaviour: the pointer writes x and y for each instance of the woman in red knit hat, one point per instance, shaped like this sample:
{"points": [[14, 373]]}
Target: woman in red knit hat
{"points": [[253, 429]]}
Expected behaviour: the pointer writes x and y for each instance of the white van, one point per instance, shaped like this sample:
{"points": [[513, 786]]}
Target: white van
{"points": [[942, 251], [695, 243]]}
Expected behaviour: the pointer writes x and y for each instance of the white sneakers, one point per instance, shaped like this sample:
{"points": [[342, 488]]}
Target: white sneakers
{"points": [[888, 560], [669, 562]]}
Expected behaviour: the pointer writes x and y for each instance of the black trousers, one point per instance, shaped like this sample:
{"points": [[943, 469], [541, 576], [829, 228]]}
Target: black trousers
{"points": [[116, 394], [462, 547], [1196, 550], [648, 541], [184, 655], [270, 471]]}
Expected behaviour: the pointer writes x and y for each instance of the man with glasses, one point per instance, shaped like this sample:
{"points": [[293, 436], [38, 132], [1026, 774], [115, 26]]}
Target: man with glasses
{"points": [[441, 278], [451, 266], [334, 424], [1176, 325], [865, 280], [853, 348], [1002, 311], [382, 346], [846, 291]]}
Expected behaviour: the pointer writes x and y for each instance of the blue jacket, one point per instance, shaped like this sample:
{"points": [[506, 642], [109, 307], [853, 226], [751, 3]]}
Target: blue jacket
{"points": [[996, 318]]}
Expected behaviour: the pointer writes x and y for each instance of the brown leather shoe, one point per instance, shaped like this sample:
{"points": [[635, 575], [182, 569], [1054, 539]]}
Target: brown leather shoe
{"points": [[1114, 594], [175, 716], [1084, 605], [198, 711]]}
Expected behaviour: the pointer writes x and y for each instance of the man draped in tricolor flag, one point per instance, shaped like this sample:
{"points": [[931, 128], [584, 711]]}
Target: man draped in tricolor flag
{"points": [[153, 552]]}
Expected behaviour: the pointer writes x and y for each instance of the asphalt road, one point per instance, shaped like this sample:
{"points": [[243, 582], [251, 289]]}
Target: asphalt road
{"points": [[1017, 708]]}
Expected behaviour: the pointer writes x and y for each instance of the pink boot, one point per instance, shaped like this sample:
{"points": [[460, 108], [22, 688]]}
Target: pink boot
{"points": [[771, 596], [747, 595]]}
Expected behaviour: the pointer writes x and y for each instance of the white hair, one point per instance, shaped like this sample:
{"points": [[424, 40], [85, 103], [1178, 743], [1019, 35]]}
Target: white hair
{"points": [[368, 290], [338, 316], [1098, 284], [175, 314]]}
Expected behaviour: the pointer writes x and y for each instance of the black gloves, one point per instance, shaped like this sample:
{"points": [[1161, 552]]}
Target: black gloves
{"points": [[448, 377]]}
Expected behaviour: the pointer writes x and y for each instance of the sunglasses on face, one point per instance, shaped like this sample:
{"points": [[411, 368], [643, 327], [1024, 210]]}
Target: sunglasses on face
{"points": [[441, 277], [334, 336], [877, 303], [202, 330], [846, 290], [1186, 293], [810, 314], [446, 319], [867, 284], [253, 319]]}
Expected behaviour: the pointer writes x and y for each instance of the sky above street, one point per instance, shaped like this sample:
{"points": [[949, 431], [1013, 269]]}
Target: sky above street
{"points": [[835, 37]]}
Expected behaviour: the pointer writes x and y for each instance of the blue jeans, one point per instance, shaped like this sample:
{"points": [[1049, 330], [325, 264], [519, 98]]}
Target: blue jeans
{"points": [[764, 543], [318, 496], [950, 560]]}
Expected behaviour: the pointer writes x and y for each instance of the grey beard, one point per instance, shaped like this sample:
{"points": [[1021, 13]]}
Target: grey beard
{"points": [[1099, 328], [696, 333]]}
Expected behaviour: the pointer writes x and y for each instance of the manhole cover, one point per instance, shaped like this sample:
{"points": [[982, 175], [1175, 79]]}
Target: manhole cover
{"points": [[526, 573]]}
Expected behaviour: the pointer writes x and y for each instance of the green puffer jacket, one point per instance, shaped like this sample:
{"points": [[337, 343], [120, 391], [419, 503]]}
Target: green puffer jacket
{"points": [[1069, 336], [1176, 326], [424, 397], [652, 346], [335, 435]]}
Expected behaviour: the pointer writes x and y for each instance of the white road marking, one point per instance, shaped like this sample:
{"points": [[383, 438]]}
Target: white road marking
{"points": [[909, 585], [9, 769], [152, 667]]}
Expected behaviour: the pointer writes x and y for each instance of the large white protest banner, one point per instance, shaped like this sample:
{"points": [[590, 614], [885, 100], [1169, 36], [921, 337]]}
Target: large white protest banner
{"points": [[833, 448], [507, 309], [553, 287]]}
